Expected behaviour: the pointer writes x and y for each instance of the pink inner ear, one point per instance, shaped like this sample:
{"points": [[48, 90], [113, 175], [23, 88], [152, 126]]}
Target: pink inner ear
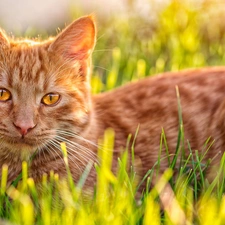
{"points": [[82, 49], [77, 41], [79, 55]]}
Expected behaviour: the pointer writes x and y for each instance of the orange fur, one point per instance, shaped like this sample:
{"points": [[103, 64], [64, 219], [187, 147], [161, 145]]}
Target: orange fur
{"points": [[30, 70]]}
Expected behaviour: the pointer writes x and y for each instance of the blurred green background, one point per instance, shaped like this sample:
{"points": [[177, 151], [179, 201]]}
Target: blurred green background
{"points": [[183, 34], [139, 38]]}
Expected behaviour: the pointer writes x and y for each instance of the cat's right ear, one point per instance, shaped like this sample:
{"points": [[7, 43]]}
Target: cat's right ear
{"points": [[4, 42], [77, 41]]}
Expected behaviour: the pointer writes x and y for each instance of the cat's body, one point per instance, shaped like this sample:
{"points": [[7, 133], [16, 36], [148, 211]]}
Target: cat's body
{"points": [[152, 103], [45, 99]]}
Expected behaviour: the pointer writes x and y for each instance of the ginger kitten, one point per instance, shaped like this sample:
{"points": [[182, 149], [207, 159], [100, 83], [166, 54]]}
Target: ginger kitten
{"points": [[45, 100]]}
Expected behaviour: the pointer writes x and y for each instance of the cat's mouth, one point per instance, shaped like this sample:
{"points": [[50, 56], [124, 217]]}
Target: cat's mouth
{"points": [[18, 144], [25, 142]]}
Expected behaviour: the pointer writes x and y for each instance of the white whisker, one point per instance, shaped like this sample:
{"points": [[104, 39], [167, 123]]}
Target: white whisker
{"points": [[54, 147], [81, 156], [78, 146], [77, 136]]}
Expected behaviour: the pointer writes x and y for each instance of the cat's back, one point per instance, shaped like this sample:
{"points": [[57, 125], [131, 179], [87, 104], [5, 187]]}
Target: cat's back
{"points": [[152, 103], [192, 84]]}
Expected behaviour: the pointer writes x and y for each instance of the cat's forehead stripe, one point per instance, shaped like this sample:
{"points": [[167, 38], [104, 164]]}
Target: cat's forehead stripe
{"points": [[29, 66]]}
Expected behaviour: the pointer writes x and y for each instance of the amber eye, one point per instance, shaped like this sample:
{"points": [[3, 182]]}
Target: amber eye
{"points": [[50, 99], [4, 95]]}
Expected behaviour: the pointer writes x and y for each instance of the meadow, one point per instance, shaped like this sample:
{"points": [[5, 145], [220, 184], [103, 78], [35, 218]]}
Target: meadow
{"points": [[183, 34]]}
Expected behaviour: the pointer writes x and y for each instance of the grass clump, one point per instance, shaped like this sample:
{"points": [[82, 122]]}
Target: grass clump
{"points": [[183, 34], [174, 197]]}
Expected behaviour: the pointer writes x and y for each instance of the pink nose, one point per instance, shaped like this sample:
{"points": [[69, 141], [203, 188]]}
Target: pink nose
{"points": [[24, 127]]}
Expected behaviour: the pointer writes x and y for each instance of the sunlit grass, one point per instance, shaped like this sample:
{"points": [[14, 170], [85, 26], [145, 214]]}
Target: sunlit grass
{"points": [[116, 199], [184, 35]]}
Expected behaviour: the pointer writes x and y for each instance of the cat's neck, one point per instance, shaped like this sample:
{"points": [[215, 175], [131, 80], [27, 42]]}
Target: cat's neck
{"points": [[13, 161]]}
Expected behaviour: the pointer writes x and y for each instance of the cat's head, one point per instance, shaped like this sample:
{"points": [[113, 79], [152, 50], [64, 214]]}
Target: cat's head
{"points": [[44, 88]]}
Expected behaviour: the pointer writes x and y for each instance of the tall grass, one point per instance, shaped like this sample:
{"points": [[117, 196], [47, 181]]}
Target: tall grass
{"points": [[182, 199], [184, 34], [130, 48]]}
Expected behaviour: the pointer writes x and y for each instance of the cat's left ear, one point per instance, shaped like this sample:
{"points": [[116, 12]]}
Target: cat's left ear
{"points": [[77, 41]]}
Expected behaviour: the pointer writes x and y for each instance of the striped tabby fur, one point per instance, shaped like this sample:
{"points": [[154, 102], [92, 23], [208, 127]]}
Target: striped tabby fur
{"points": [[31, 70]]}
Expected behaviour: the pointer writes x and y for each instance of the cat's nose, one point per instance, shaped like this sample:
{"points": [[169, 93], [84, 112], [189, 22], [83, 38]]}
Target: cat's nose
{"points": [[24, 127]]}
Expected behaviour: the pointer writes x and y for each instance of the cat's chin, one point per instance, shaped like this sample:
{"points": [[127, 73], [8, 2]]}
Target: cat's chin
{"points": [[20, 147]]}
